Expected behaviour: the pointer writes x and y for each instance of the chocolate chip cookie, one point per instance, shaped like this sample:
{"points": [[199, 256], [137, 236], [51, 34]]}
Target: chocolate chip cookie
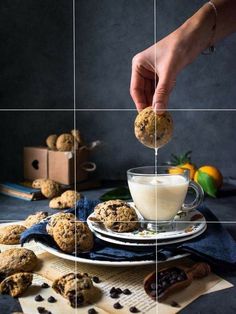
{"points": [[65, 142], [36, 184], [55, 218], [50, 188], [16, 284], [56, 203], [35, 218], [77, 288], [51, 141], [72, 236], [153, 130], [69, 198], [16, 260], [11, 234], [117, 215]]}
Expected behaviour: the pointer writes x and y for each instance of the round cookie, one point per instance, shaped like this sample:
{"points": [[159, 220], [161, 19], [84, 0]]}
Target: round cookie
{"points": [[70, 197], [36, 184], [55, 218], [35, 218], [11, 234], [65, 142], [51, 141], [50, 188], [56, 203], [117, 215], [72, 236], [78, 288], [16, 284], [153, 130], [16, 260]]}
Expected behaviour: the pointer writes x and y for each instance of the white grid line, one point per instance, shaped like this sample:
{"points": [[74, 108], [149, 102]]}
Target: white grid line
{"points": [[114, 109]]}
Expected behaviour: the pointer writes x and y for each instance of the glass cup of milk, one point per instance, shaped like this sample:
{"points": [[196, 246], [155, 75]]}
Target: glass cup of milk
{"points": [[159, 193]]}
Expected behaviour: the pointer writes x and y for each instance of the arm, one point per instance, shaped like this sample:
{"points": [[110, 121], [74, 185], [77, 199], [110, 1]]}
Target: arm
{"points": [[165, 59]]}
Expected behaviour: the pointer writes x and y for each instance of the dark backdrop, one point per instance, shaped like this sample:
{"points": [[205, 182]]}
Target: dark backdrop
{"points": [[36, 67]]}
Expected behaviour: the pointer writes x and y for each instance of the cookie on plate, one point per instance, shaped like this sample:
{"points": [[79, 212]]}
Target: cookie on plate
{"points": [[11, 234], [65, 142], [35, 218], [56, 203], [117, 215], [152, 129], [50, 188], [36, 184], [51, 141], [16, 260], [72, 236], [16, 284], [69, 198], [55, 218], [78, 288]]}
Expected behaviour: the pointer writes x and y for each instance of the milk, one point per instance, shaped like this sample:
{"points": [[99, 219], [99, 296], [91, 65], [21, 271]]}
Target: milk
{"points": [[158, 197]]}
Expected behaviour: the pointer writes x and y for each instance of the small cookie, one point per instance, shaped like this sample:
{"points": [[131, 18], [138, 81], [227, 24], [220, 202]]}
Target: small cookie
{"points": [[50, 188], [117, 215], [76, 134], [65, 142], [70, 197], [34, 219], [16, 260], [36, 184], [78, 288], [55, 218], [56, 203], [16, 284], [72, 236], [153, 130], [51, 141], [11, 234]]}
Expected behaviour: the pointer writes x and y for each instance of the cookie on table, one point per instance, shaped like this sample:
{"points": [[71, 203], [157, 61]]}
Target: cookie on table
{"points": [[16, 284], [153, 130], [72, 236], [65, 142], [56, 203], [117, 215], [11, 234], [35, 218], [69, 198], [55, 218], [16, 260], [78, 288], [51, 141], [36, 184], [50, 188]]}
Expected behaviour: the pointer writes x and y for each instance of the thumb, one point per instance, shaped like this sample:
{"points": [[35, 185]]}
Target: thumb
{"points": [[162, 93]]}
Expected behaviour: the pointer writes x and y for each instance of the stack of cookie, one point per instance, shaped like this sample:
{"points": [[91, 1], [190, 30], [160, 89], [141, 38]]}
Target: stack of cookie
{"points": [[65, 142]]}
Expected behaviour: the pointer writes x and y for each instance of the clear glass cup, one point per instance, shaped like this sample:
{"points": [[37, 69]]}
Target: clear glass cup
{"points": [[159, 193]]}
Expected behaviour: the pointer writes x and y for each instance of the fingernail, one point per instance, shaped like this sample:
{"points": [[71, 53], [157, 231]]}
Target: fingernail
{"points": [[159, 108]]}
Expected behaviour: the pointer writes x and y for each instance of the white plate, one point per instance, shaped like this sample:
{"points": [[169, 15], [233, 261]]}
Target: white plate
{"points": [[183, 227], [145, 243], [69, 257]]}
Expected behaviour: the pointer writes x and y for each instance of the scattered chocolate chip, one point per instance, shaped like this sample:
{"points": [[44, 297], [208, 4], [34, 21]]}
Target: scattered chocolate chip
{"points": [[92, 311], [51, 299], [118, 290], [38, 298], [96, 279], [174, 304], [114, 295], [133, 309], [44, 285], [41, 309], [113, 289], [117, 306], [127, 292]]}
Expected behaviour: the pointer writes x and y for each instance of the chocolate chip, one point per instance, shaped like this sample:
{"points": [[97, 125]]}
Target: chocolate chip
{"points": [[51, 299], [92, 311], [38, 298], [96, 279], [127, 292], [133, 309], [114, 295], [118, 290], [174, 304], [113, 289], [117, 306], [41, 309], [45, 285]]}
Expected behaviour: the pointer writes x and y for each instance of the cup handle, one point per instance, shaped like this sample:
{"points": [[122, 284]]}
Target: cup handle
{"points": [[198, 199]]}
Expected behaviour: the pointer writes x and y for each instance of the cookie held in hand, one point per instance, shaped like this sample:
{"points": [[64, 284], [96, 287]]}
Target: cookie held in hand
{"points": [[153, 130], [16, 284]]}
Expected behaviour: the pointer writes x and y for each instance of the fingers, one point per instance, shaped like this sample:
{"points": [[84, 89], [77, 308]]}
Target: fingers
{"points": [[137, 87], [162, 93]]}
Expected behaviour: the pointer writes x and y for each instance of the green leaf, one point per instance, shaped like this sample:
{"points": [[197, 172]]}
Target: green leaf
{"points": [[207, 183], [121, 193]]}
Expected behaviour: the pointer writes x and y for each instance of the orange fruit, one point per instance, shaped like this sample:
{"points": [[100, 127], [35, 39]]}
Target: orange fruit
{"points": [[213, 172], [180, 169]]}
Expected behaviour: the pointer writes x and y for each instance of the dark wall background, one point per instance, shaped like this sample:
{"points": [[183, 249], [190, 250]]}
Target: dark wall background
{"points": [[36, 68]]}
